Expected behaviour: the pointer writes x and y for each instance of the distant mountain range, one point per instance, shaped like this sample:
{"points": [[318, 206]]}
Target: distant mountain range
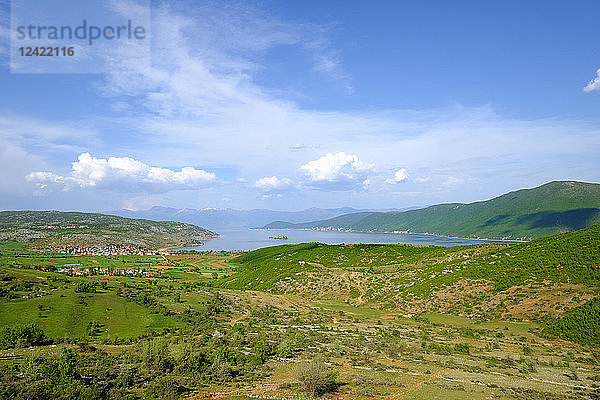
{"points": [[218, 219], [523, 214], [46, 229]]}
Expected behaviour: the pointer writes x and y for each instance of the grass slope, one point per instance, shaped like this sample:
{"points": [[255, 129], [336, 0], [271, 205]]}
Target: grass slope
{"points": [[53, 228], [523, 214], [546, 276], [570, 257], [262, 269], [235, 344], [60, 311]]}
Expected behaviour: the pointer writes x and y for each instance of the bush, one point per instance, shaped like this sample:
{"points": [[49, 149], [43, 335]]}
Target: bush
{"points": [[462, 348], [164, 387], [23, 336], [220, 370], [85, 287], [315, 378], [581, 325]]}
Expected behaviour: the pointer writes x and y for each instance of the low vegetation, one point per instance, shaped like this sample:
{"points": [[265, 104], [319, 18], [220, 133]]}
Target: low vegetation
{"points": [[505, 321], [581, 325]]}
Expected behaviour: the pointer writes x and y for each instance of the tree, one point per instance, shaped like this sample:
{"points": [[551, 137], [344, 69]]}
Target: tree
{"points": [[85, 287]]}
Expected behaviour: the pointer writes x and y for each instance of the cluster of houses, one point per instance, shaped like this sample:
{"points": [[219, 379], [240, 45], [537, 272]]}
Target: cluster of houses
{"points": [[79, 270], [108, 250]]}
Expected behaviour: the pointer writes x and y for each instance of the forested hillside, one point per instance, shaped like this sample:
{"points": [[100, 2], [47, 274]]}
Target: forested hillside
{"points": [[523, 214]]}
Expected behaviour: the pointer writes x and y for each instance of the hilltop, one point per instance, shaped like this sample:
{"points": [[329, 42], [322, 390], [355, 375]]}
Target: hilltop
{"points": [[522, 214], [43, 229]]}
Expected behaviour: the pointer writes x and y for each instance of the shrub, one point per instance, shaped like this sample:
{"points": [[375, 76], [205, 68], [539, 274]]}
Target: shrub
{"points": [[462, 348], [164, 387], [315, 378], [85, 287], [581, 325], [23, 336]]}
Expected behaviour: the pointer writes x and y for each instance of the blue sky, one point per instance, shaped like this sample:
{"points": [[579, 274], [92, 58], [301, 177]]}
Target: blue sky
{"points": [[289, 105]]}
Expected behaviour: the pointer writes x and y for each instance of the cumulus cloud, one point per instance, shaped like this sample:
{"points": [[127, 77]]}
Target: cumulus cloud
{"points": [[123, 173], [399, 176], [269, 183], [594, 83], [337, 171]]}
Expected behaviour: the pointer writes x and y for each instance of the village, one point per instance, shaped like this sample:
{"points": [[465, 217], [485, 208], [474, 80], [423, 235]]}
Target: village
{"points": [[80, 270], [108, 250]]}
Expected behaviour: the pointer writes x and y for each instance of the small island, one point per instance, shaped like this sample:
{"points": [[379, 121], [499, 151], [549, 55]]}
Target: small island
{"points": [[279, 237]]}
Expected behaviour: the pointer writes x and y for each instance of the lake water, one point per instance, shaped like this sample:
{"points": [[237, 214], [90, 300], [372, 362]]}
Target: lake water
{"points": [[252, 239]]}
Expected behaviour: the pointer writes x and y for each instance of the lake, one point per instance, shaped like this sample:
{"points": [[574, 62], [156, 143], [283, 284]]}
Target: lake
{"points": [[252, 239]]}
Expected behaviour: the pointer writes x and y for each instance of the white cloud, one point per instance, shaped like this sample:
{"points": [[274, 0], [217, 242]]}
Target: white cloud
{"points": [[339, 171], [271, 196], [400, 176], [123, 173], [202, 100], [272, 183], [594, 83], [206, 55], [453, 181]]}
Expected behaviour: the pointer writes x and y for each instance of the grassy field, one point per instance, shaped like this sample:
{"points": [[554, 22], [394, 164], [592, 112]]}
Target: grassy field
{"points": [[363, 321], [66, 313], [49, 299]]}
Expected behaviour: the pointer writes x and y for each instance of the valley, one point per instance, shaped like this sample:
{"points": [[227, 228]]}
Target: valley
{"points": [[307, 320]]}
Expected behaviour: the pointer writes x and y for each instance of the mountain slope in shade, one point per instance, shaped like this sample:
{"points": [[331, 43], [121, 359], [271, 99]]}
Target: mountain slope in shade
{"points": [[523, 214]]}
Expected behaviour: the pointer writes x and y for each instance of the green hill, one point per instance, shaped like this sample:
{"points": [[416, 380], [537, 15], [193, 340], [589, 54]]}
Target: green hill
{"points": [[581, 325], [545, 277], [265, 268], [523, 214], [42, 229], [571, 257]]}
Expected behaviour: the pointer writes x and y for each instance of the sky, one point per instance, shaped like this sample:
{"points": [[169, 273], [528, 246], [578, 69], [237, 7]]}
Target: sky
{"points": [[294, 104]]}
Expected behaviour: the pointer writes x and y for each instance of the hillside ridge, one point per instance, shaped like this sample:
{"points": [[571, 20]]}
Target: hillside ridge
{"points": [[44, 229], [523, 214]]}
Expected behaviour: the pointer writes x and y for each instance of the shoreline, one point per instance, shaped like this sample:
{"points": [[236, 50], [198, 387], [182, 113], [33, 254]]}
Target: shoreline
{"points": [[393, 233]]}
